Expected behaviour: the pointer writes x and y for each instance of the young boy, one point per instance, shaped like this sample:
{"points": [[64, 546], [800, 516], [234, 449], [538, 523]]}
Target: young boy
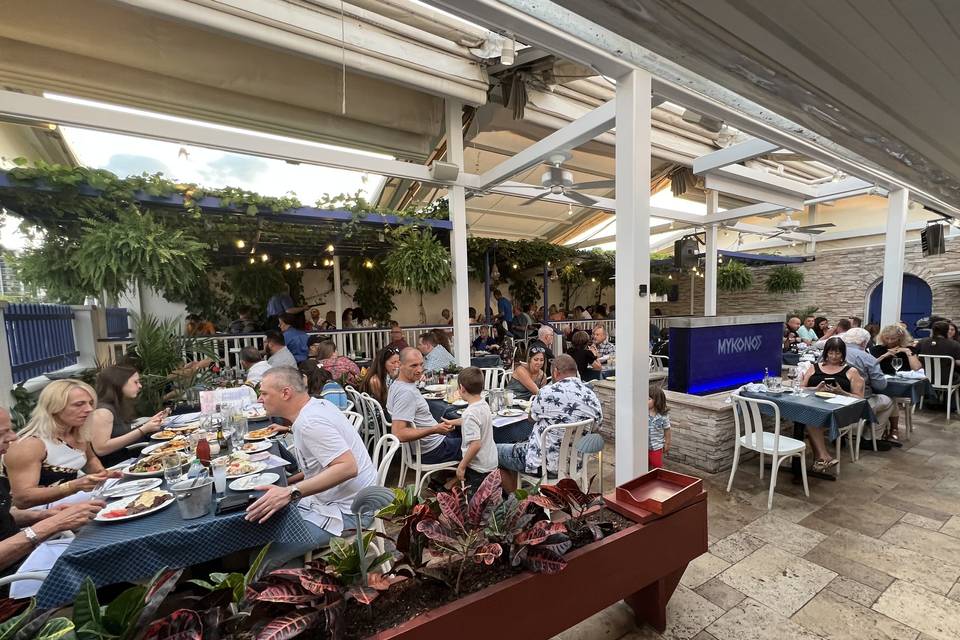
{"points": [[479, 450]]}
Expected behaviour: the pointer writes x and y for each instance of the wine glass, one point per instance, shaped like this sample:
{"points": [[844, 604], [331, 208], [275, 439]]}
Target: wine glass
{"points": [[792, 376], [897, 363]]}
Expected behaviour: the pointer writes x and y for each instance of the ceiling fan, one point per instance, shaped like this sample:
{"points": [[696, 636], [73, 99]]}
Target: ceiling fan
{"points": [[558, 181], [792, 226]]}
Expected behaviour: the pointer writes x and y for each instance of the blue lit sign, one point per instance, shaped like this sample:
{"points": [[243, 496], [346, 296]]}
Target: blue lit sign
{"points": [[710, 359]]}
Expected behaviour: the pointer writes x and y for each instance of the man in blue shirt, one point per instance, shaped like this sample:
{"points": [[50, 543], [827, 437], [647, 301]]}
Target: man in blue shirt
{"points": [[435, 357], [295, 339], [504, 306]]}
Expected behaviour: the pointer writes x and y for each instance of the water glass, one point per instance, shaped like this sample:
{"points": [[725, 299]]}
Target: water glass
{"points": [[172, 467], [508, 396], [239, 432], [897, 363], [219, 466]]}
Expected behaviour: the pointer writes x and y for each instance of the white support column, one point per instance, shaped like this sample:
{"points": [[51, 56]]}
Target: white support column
{"points": [[897, 208], [6, 373], [458, 237], [812, 219], [633, 272], [337, 299], [85, 334], [710, 259]]}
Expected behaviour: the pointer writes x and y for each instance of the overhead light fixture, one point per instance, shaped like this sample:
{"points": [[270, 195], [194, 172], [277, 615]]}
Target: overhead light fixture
{"points": [[252, 260], [264, 258], [286, 266], [329, 248], [670, 276], [444, 171], [368, 263], [569, 209], [298, 265], [51, 126], [241, 244], [593, 279], [514, 265], [314, 263]]}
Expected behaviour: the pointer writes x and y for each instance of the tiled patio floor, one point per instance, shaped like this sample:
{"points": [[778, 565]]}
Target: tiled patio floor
{"points": [[875, 555]]}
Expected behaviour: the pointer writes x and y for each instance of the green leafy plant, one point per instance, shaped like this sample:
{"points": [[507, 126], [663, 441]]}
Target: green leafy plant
{"points": [[129, 612], [524, 291], [660, 286], [571, 279], [236, 583], [810, 310], [785, 279], [373, 293], [734, 276], [418, 262]]}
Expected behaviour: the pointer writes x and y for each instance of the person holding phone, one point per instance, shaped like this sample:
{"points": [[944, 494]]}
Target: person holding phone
{"points": [[834, 375]]}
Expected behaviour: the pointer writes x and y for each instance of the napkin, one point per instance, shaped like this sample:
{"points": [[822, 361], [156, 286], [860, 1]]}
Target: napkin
{"points": [[502, 421], [912, 375], [755, 387], [42, 559], [844, 400]]}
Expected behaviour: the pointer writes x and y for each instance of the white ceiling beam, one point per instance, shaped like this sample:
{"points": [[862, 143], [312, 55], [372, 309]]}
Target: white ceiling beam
{"points": [[759, 209], [734, 154], [518, 214], [578, 132], [22, 106], [500, 233], [743, 227], [766, 179], [739, 188]]}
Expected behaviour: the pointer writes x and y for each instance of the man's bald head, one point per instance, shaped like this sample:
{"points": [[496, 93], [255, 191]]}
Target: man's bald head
{"points": [[411, 365]]}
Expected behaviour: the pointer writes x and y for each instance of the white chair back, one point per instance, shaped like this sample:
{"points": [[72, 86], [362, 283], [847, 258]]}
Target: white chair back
{"points": [[748, 420], [494, 378], [383, 453], [939, 370], [659, 363], [355, 419], [375, 418], [568, 458]]}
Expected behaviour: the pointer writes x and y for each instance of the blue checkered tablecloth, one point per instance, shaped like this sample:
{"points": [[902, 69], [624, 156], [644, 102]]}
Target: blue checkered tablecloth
{"points": [[913, 388], [486, 362], [136, 549], [815, 412]]}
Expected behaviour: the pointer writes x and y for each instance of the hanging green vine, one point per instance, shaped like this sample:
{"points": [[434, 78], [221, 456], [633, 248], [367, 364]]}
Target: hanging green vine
{"points": [[785, 279], [418, 262], [373, 293], [734, 276]]}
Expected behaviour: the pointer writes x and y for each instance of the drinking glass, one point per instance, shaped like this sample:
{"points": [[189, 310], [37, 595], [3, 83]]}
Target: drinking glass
{"points": [[238, 433], [219, 466], [508, 396], [172, 468], [896, 363]]}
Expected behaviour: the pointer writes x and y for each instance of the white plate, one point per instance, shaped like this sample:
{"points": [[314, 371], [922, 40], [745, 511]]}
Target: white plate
{"points": [[132, 488], [510, 413], [436, 388], [257, 468], [433, 396], [153, 474], [459, 403], [122, 503], [254, 447], [255, 414], [247, 483], [161, 435], [154, 447]]}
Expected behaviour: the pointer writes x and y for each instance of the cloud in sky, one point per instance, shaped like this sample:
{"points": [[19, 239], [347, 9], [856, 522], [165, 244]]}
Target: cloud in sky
{"points": [[128, 164], [232, 166]]}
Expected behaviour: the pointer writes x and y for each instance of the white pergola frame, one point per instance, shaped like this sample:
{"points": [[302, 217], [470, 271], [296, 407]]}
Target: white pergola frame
{"points": [[629, 114]]}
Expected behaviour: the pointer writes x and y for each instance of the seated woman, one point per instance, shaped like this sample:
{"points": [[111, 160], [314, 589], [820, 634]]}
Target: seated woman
{"points": [[892, 341], [109, 424], [588, 364], [382, 373], [831, 374], [311, 377], [529, 378], [44, 465]]}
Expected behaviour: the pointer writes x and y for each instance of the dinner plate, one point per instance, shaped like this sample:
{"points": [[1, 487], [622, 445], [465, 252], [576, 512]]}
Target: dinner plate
{"points": [[122, 504], [160, 445], [256, 467], [152, 474], [611, 378], [132, 488], [433, 396], [434, 388], [459, 403], [825, 394], [259, 434], [166, 434], [509, 413], [254, 447], [254, 480], [257, 413], [184, 428]]}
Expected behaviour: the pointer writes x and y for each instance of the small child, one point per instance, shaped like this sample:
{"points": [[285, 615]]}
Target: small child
{"points": [[477, 446], [659, 425]]}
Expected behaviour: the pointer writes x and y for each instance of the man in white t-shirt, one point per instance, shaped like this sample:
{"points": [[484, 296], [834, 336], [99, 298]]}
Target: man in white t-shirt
{"points": [[254, 364], [411, 417], [333, 461]]}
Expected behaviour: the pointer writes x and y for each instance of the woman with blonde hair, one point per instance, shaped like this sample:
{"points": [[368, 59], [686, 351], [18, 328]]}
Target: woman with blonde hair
{"points": [[44, 464]]}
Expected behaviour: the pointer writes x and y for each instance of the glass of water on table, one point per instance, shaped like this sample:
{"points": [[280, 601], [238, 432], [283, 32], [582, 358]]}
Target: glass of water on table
{"points": [[219, 466], [172, 467], [239, 431]]}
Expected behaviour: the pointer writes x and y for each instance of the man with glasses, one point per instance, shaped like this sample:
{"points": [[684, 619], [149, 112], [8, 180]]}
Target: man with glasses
{"points": [[397, 341]]}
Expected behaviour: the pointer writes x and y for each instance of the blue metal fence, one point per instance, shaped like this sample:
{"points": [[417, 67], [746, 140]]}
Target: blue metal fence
{"points": [[40, 339], [117, 322]]}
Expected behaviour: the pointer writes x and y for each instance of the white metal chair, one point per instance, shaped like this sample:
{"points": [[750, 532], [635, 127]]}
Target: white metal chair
{"points": [[411, 458], [355, 419], [375, 419], [939, 370], [853, 432], [383, 453], [494, 378], [349, 407], [568, 458], [747, 420], [659, 363]]}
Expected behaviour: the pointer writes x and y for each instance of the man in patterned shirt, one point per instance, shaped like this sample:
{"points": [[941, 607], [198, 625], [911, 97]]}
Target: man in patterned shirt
{"points": [[603, 348], [564, 401]]}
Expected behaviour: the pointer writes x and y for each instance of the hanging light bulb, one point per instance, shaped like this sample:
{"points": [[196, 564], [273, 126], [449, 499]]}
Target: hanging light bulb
{"points": [[515, 265], [670, 277], [368, 263], [298, 265], [252, 260], [314, 264], [241, 244], [264, 258], [330, 248], [287, 266], [569, 209]]}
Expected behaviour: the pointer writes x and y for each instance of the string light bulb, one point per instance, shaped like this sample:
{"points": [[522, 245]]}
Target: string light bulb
{"points": [[252, 260], [286, 266], [264, 258], [368, 263], [298, 265], [241, 244], [330, 248]]}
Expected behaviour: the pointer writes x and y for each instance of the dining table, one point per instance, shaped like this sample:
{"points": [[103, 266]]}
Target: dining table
{"points": [[506, 429], [912, 389], [486, 360], [136, 549], [810, 410]]}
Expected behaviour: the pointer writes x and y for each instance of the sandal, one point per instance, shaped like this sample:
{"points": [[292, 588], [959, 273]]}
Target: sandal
{"points": [[820, 466]]}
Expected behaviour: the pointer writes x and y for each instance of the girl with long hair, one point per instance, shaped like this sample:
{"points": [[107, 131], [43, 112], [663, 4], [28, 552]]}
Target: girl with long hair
{"points": [[117, 388]]}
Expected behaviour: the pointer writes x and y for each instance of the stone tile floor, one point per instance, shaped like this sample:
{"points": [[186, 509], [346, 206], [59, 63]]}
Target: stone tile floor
{"points": [[875, 555]]}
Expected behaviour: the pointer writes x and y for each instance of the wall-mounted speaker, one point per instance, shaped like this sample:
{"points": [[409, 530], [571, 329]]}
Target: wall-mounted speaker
{"points": [[931, 240], [685, 253]]}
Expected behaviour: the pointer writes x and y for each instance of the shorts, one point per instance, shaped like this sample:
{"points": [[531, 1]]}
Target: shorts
{"points": [[655, 459], [512, 456], [446, 451]]}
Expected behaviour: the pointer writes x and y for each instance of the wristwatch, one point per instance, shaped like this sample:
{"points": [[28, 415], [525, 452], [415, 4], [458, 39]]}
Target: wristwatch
{"points": [[295, 493], [32, 536]]}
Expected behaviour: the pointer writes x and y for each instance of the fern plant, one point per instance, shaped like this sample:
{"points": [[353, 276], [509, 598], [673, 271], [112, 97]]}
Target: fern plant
{"points": [[418, 262], [785, 279], [734, 276]]}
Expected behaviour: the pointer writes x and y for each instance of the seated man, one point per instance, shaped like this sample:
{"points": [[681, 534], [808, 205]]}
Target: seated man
{"points": [[483, 341], [565, 400], [790, 333], [856, 340], [435, 357], [545, 338], [245, 323], [21, 530], [397, 341], [254, 364], [277, 353], [603, 346], [411, 417], [806, 332], [939, 345], [843, 325], [334, 463]]}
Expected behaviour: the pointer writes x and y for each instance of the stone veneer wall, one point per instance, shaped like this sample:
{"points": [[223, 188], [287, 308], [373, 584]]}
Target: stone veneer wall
{"points": [[703, 428], [837, 282]]}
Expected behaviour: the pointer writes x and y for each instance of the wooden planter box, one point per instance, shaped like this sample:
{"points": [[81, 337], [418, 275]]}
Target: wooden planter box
{"points": [[641, 565]]}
